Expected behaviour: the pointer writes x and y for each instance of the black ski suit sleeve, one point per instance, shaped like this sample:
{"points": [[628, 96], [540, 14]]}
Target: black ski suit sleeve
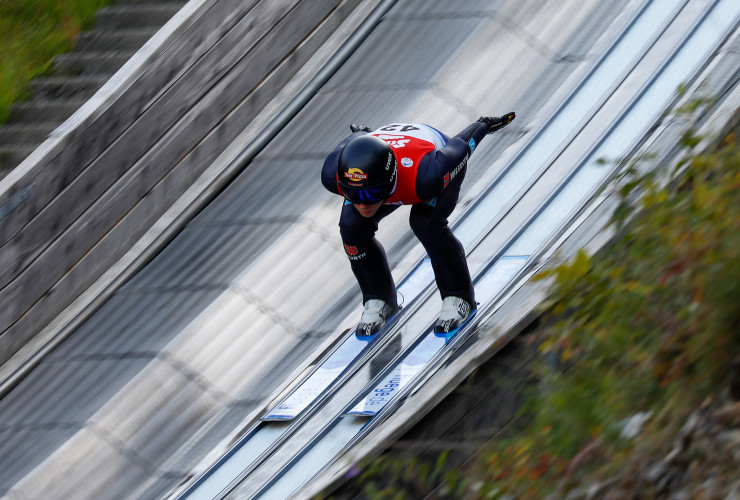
{"points": [[439, 167], [329, 170]]}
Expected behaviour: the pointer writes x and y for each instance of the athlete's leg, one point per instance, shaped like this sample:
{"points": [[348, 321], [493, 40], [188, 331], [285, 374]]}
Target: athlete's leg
{"points": [[366, 255], [445, 251]]}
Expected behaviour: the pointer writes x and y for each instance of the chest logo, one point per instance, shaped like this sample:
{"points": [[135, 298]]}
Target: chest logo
{"points": [[395, 141], [407, 162], [399, 143]]}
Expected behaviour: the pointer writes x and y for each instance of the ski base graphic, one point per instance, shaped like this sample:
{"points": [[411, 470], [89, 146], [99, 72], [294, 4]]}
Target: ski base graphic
{"points": [[412, 363], [327, 372]]}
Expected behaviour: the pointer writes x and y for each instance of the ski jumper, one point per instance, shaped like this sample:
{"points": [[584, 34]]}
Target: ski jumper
{"points": [[431, 168]]}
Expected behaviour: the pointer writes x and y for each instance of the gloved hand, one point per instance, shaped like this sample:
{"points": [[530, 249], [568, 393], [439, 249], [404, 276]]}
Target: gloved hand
{"points": [[495, 123], [359, 128]]}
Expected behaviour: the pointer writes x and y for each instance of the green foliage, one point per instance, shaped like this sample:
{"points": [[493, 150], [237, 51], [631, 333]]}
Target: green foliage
{"points": [[34, 32], [650, 325], [406, 478]]}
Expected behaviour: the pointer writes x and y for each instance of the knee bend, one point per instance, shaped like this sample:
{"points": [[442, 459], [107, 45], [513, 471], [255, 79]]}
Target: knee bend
{"points": [[425, 225]]}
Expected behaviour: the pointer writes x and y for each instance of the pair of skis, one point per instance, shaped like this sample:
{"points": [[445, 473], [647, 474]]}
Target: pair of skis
{"points": [[335, 365], [341, 361]]}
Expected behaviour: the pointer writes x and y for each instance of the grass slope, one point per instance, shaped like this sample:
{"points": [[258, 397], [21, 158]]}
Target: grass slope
{"points": [[34, 31]]}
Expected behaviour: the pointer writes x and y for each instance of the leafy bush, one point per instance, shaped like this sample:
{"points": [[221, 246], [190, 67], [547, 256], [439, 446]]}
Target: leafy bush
{"points": [[388, 478], [648, 328]]}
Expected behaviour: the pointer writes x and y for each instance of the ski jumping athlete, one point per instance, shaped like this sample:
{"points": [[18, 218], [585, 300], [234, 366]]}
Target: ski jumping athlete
{"points": [[405, 164]]}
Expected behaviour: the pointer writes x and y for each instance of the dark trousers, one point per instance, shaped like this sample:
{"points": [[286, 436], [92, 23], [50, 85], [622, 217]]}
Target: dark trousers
{"points": [[429, 223]]}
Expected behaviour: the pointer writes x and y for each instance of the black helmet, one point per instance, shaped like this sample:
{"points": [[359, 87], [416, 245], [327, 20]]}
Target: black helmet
{"points": [[367, 170]]}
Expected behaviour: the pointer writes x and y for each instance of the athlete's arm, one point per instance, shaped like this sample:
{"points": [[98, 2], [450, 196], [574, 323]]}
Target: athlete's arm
{"points": [[439, 167]]}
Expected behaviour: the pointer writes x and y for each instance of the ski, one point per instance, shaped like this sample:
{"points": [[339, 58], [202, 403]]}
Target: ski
{"points": [[337, 363]]}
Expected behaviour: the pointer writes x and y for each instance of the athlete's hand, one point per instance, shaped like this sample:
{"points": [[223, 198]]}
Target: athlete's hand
{"points": [[495, 123], [359, 128]]}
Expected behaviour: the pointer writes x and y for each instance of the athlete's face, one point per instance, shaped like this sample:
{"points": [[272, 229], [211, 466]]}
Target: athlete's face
{"points": [[368, 210]]}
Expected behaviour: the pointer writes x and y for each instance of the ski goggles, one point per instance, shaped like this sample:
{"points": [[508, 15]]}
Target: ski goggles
{"points": [[368, 196]]}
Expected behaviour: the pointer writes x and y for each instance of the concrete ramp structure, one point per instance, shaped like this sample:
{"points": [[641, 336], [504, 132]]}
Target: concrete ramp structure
{"points": [[174, 268], [86, 195]]}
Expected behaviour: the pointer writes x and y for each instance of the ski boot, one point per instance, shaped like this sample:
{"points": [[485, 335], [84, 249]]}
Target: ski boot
{"points": [[455, 310], [374, 317]]}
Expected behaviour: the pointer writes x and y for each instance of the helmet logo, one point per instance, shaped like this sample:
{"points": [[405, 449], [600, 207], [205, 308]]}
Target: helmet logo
{"points": [[355, 175]]}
